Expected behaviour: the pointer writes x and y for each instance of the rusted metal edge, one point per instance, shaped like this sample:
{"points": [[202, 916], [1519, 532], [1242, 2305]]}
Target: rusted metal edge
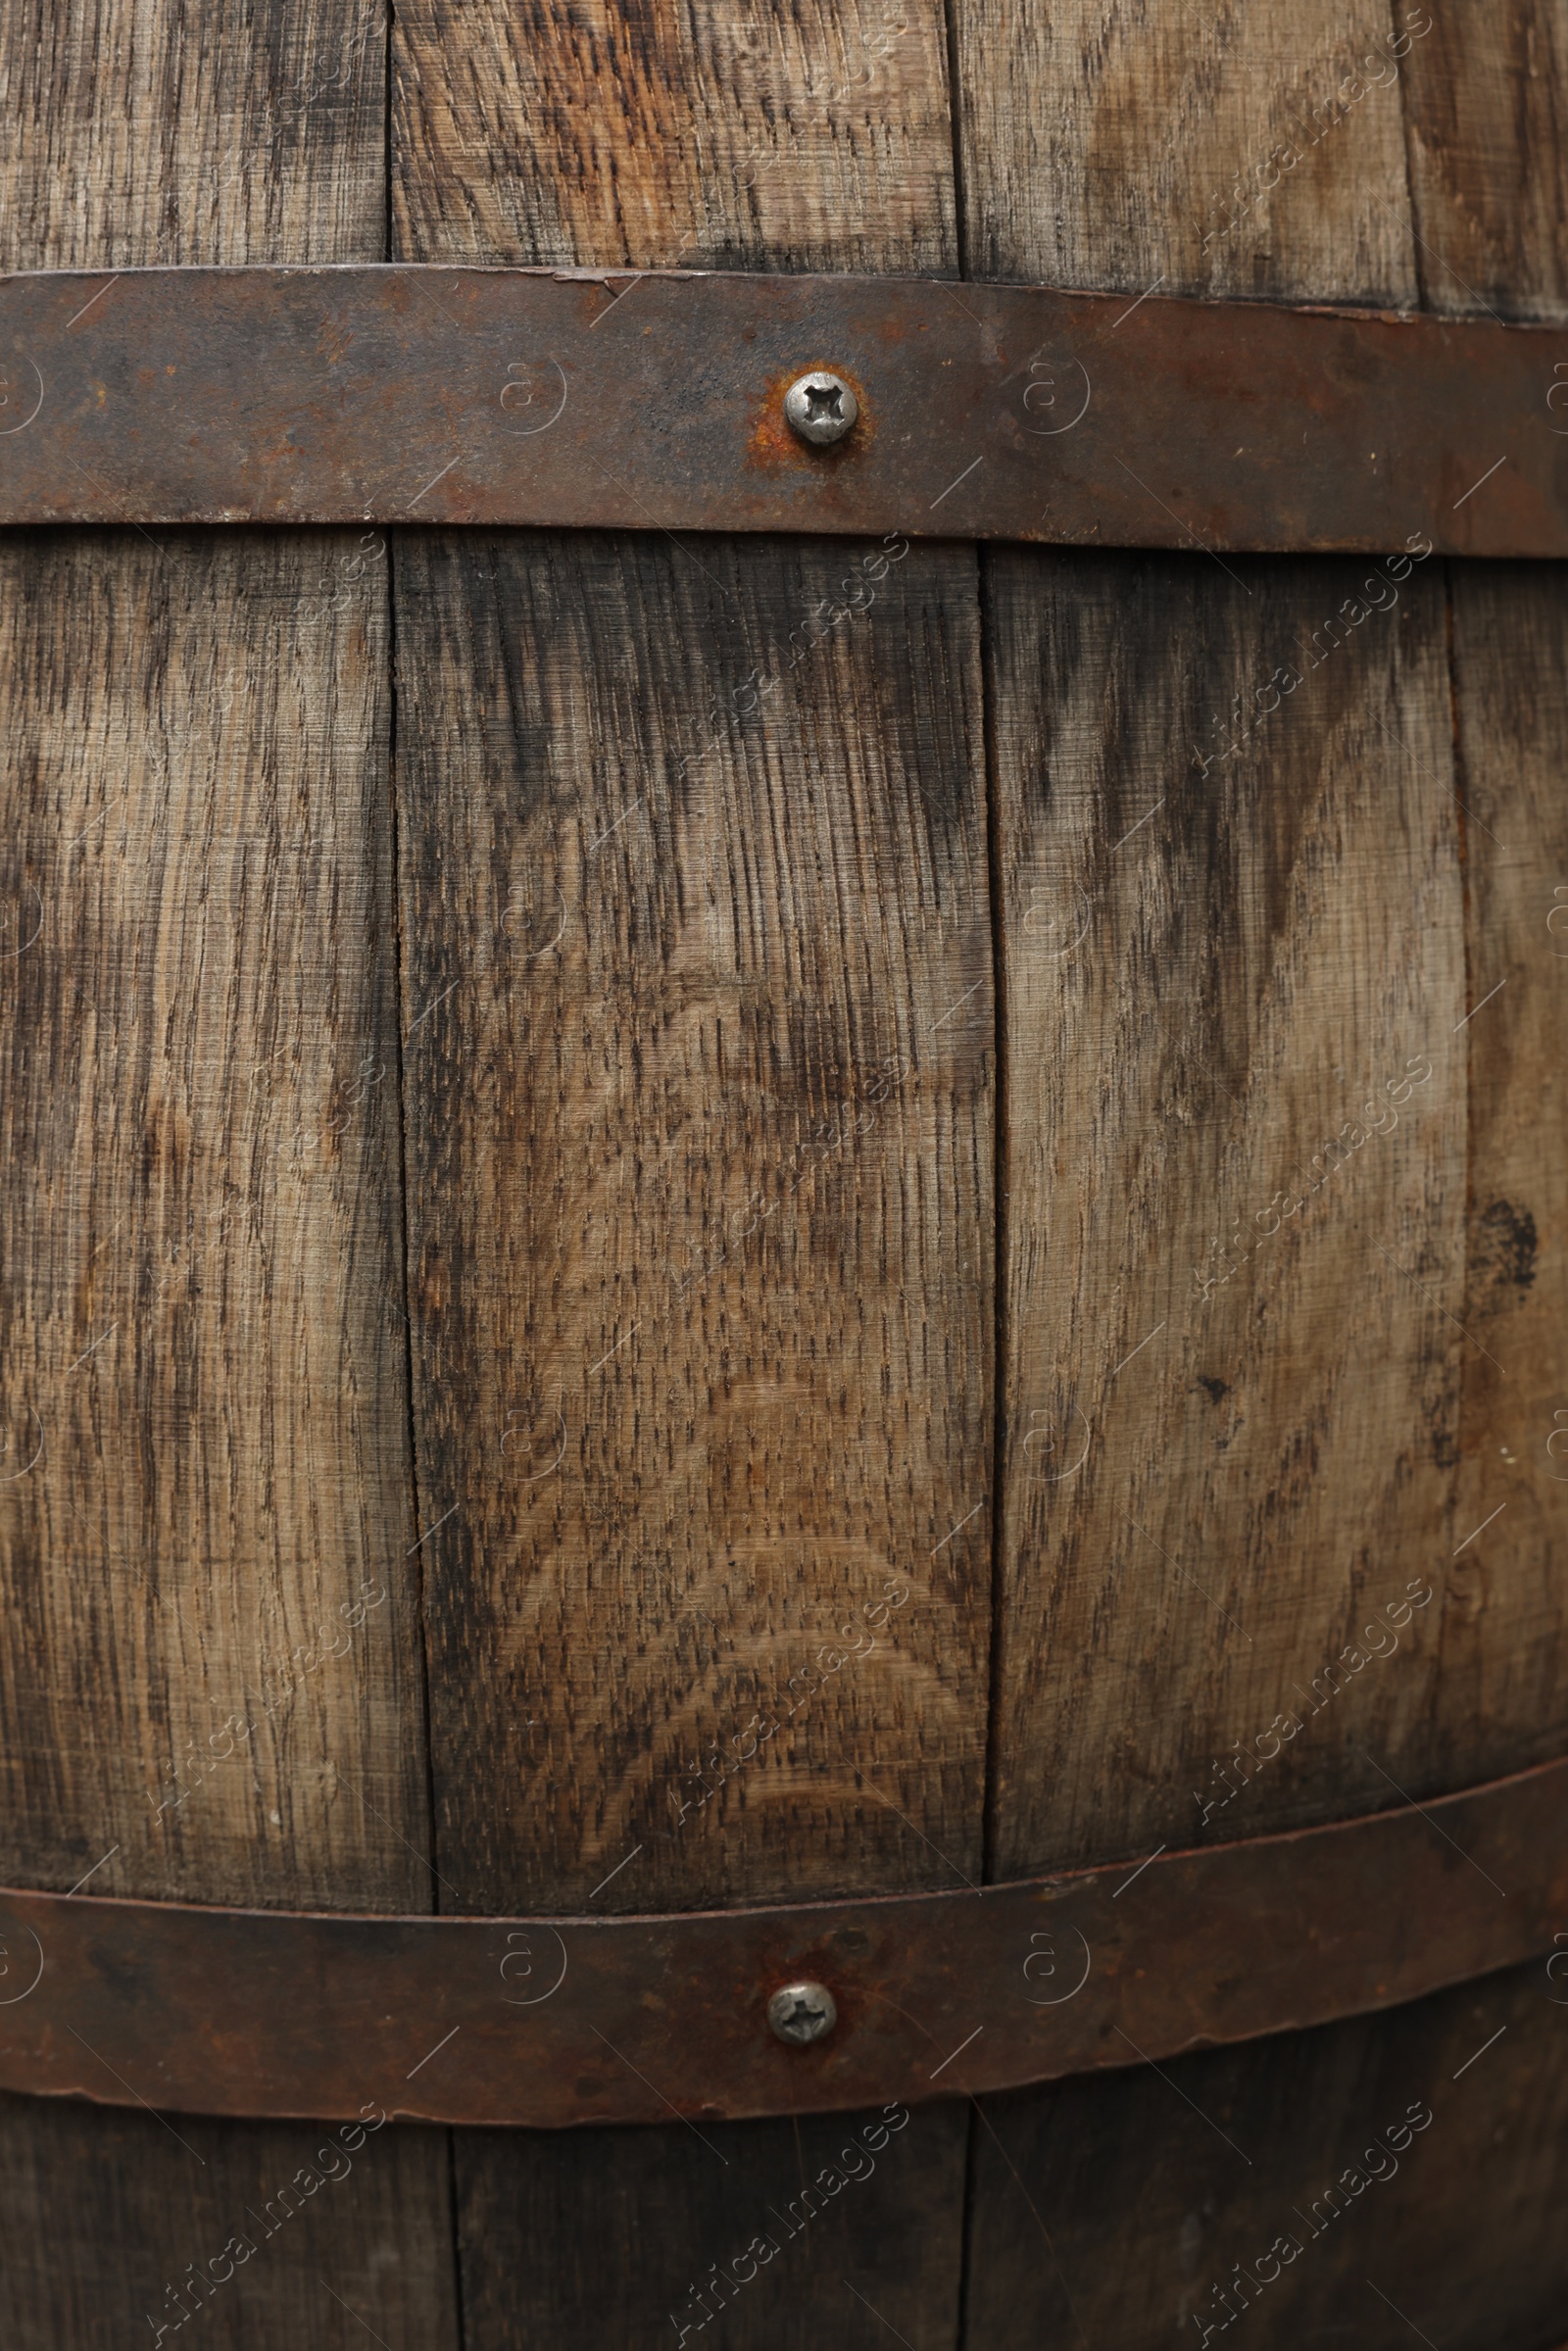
{"points": [[413, 394], [549, 2021]]}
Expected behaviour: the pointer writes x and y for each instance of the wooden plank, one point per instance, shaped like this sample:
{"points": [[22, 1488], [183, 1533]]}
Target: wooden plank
{"points": [[1167, 1068], [1281, 996], [1505, 1623], [1110, 2212], [201, 1060], [1489, 173], [700, 1156], [140, 131], [1240, 152], [1300, 900], [1232, 1388], [1421, 1397], [306, 2233], [780, 2236], [794, 135], [206, 1480], [696, 930], [199, 1320]]}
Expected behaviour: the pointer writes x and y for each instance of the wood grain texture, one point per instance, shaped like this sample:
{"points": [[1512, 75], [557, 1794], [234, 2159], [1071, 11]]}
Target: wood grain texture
{"points": [[1241, 151], [1232, 1390], [200, 1309], [700, 1156], [797, 136], [1464, 2239], [765, 833], [1487, 101], [206, 1451], [202, 1287], [700, 1187], [145, 132], [298, 2232], [772, 914], [1506, 1625], [1153, 115], [618, 2235], [1110, 147]]}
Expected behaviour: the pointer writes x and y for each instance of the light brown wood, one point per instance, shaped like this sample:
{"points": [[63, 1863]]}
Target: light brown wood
{"points": [[796, 135], [144, 131], [720, 1155], [698, 954], [204, 1478], [699, 1164], [1321, 1433], [1231, 1416], [1188, 151], [1353, 1398], [1309, 1426], [694, 943], [204, 1345], [202, 1299]]}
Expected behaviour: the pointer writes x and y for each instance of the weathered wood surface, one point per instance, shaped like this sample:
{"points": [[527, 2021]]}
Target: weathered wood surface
{"points": [[144, 131], [1166, 1033], [775, 907], [756, 820], [201, 1284], [1448, 2229], [700, 1160], [208, 1644], [761, 2237], [1505, 1641], [1232, 911], [1189, 150], [202, 1355], [697, 929], [1232, 1390], [316, 2236], [793, 135], [1486, 97], [1289, 912]]}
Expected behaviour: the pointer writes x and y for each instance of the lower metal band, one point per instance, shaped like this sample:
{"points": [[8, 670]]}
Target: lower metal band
{"points": [[549, 2021]]}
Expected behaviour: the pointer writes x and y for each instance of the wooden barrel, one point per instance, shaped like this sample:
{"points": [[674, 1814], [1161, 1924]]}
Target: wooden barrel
{"points": [[703, 1226]]}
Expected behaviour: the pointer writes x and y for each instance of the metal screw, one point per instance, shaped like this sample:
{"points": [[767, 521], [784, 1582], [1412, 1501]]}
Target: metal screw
{"points": [[820, 408], [800, 2013]]}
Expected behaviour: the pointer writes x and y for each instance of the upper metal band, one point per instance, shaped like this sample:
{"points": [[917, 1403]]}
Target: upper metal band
{"points": [[632, 400]]}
